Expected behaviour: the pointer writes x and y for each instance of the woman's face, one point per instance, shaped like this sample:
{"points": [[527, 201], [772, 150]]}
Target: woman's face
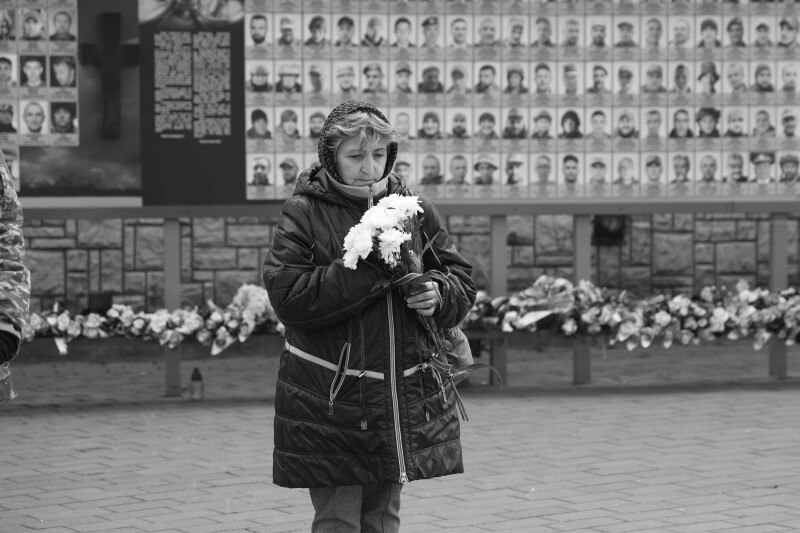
{"points": [[361, 164]]}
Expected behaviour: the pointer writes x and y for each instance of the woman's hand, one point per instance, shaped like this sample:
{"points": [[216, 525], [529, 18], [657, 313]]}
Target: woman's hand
{"points": [[425, 298]]}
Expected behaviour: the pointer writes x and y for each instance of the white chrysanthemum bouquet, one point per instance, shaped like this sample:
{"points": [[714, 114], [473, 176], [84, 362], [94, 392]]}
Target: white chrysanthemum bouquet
{"points": [[384, 229]]}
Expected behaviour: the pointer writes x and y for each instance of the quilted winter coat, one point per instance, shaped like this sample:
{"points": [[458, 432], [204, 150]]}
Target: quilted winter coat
{"points": [[353, 405]]}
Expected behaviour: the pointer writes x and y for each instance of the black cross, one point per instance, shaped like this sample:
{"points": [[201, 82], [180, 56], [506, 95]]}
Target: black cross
{"points": [[110, 56]]}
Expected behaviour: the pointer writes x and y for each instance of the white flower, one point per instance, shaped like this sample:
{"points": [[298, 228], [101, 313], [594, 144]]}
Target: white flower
{"points": [[662, 319], [379, 218], [407, 205], [357, 245], [389, 244]]}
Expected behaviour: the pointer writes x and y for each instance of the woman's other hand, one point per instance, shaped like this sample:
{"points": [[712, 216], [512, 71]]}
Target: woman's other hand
{"points": [[425, 298]]}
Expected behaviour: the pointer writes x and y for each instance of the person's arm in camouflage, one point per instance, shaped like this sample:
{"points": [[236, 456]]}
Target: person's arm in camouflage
{"points": [[15, 279]]}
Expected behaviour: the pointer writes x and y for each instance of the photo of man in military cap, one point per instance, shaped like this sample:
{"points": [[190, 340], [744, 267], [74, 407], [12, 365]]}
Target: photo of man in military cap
{"points": [[287, 38], [402, 78], [763, 79], [261, 170], [316, 121], [788, 164], [515, 174], [762, 164], [486, 127], [288, 76], [654, 83], [346, 32], [316, 79], [708, 77], [346, 78], [597, 171], [515, 78], [431, 34], [259, 79], [33, 25], [788, 29], [515, 34], [430, 83], [653, 169], [515, 126], [598, 35], [485, 167], [625, 81], [289, 170], [459, 83], [626, 31], [317, 32], [543, 122]]}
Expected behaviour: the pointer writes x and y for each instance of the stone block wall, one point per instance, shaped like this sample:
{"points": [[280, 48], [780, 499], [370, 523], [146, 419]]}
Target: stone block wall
{"points": [[92, 264]]}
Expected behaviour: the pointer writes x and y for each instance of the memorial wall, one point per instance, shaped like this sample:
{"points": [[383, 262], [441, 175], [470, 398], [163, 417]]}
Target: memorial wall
{"points": [[494, 99]]}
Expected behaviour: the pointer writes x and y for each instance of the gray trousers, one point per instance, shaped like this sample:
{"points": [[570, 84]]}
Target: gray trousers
{"points": [[357, 509]]}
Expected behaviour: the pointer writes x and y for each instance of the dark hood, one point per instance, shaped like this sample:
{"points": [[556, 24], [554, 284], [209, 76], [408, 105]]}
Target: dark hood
{"points": [[328, 159]]}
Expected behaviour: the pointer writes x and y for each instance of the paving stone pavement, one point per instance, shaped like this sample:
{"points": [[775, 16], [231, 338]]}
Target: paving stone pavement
{"points": [[91, 447]]}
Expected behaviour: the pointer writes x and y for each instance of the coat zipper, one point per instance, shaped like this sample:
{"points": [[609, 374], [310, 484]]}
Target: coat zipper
{"points": [[338, 378], [393, 384]]}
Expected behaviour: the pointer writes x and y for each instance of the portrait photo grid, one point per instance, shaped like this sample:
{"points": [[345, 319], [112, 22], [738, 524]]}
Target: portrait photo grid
{"points": [[38, 75], [534, 99]]}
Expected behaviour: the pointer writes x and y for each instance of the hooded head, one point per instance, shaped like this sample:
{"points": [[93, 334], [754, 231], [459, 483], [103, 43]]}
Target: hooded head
{"points": [[327, 156]]}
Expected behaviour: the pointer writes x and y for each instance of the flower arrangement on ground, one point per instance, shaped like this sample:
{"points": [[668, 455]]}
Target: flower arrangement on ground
{"points": [[550, 303]]}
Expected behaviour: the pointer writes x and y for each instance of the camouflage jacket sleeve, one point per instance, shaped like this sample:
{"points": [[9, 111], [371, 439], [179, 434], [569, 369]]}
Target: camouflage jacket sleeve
{"points": [[15, 279]]}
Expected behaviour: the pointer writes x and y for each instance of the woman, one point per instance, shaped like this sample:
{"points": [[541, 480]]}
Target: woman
{"points": [[356, 412]]}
